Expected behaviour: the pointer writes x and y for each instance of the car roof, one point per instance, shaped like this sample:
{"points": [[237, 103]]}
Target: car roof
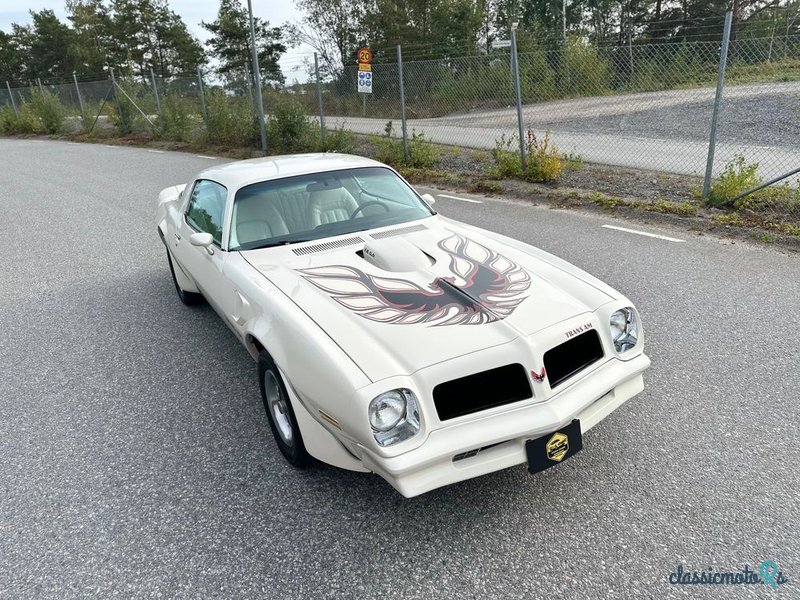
{"points": [[236, 174]]}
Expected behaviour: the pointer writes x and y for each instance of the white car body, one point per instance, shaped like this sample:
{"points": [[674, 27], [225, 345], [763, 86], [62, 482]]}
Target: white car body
{"points": [[337, 350]]}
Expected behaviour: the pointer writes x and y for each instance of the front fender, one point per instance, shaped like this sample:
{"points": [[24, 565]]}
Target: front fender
{"points": [[322, 377]]}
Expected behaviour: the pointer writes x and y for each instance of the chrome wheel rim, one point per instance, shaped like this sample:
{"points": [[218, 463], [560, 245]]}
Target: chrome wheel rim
{"points": [[278, 409]]}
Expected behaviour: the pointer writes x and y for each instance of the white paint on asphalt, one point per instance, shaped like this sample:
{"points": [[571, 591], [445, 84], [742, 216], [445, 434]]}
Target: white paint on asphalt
{"points": [[652, 235], [462, 199], [206, 157], [156, 151]]}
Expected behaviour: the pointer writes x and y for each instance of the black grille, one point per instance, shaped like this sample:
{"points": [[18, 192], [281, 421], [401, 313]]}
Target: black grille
{"points": [[562, 362], [480, 391]]}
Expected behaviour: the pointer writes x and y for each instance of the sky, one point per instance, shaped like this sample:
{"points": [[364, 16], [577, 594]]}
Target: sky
{"points": [[276, 12]]}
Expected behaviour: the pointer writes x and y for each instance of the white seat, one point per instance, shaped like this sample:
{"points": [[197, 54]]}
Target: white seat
{"points": [[330, 206], [257, 219]]}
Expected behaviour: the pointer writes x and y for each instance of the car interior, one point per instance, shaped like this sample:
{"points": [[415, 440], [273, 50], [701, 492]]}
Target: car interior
{"points": [[303, 204]]}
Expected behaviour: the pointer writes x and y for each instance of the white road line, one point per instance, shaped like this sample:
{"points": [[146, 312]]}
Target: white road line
{"points": [[457, 198], [110, 146], [207, 157], [156, 151], [652, 235]]}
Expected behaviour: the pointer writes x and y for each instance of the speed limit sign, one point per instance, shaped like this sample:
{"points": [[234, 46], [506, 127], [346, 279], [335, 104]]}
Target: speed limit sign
{"points": [[364, 56]]}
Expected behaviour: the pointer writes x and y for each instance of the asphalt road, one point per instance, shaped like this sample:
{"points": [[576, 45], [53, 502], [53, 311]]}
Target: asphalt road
{"points": [[662, 131], [137, 460]]}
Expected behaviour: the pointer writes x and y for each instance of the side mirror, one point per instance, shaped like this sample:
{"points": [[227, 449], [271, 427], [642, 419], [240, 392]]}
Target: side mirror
{"points": [[202, 240], [428, 198]]}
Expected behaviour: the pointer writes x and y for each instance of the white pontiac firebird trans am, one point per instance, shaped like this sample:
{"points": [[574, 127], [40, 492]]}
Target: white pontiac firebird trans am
{"points": [[389, 338]]}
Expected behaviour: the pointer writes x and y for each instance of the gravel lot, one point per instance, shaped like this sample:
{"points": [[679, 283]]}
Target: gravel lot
{"points": [[760, 114], [660, 131], [137, 461]]}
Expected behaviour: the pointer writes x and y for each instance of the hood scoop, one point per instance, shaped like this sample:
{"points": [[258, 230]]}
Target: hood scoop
{"points": [[396, 255]]}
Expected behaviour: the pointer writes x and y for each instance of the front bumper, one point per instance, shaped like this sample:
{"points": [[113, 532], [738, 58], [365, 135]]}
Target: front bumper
{"points": [[431, 465]]}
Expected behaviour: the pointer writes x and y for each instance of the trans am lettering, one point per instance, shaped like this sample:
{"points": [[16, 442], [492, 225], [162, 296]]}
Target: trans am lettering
{"points": [[484, 287], [580, 329]]}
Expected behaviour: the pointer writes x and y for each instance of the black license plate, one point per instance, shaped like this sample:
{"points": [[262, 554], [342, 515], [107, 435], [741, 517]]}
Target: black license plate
{"points": [[554, 448]]}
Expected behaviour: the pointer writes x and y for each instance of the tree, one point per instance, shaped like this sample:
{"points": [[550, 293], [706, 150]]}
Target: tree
{"points": [[12, 58], [335, 29], [95, 47], [230, 45], [52, 47], [148, 34]]}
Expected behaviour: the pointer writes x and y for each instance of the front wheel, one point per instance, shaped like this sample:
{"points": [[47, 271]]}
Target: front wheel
{"points": [[280, 413]]}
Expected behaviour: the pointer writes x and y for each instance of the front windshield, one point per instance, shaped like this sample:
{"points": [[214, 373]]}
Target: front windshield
{"points": [[310, 207]]}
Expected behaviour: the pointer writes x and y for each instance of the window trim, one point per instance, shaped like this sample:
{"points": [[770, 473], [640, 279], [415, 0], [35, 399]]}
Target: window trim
{"points": [[224, 210]]}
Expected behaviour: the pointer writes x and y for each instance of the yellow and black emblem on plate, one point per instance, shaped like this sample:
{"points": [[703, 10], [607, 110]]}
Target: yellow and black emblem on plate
{"points": [[553, 448], [557, 447]]}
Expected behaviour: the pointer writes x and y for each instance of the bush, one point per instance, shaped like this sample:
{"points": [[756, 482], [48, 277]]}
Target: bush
{"points": [[737, 177], [582, 71], [230, 121], [44, 113], [12, 123], [49, 111], [289, 128], [337, 139], [507, 157], [537, 79], [175, 121], [422, 154], [123, 114], [544, 162]]}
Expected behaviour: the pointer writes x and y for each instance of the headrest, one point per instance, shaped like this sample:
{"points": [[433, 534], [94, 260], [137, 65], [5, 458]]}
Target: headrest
{"points": [[324, 185]]}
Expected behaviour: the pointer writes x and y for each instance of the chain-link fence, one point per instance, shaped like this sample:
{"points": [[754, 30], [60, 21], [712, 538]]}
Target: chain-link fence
{"points": [[642, 106], [639, 106]]}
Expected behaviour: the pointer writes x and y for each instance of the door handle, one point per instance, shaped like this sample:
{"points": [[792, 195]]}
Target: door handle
{"points": [[177, 235]]}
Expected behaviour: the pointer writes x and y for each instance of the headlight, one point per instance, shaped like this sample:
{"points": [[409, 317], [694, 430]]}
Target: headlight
{"points": [[624, 329], [394, 416]]}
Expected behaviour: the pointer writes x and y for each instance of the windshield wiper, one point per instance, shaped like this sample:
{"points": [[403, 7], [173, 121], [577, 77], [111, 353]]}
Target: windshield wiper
{"points": [[273, 244]]}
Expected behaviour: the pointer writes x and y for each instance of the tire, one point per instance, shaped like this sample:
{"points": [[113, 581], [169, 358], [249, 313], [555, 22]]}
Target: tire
{"points": [[280, 414], [188, 298]]}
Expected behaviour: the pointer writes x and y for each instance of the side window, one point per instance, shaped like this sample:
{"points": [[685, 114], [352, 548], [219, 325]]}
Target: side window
{"points": [[206, 209]]}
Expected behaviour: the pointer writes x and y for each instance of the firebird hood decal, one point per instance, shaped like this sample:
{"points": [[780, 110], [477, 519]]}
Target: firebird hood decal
{"points": [[484, 287]]}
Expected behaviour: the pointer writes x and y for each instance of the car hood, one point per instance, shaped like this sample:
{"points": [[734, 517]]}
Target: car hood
{"points": [[400, 299]]}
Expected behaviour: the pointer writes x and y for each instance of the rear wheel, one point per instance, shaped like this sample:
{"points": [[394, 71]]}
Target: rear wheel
{"points": [[280, 413], [188, 298]]}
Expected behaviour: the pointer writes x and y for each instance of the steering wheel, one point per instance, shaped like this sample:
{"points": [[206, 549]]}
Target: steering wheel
{"points": [[366, 204]]}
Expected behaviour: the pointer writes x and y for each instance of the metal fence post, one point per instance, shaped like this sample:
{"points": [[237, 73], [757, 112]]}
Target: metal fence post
{"points": [[39, 83], [402, 102], [11, 95], [515, 73], [319, 98], [712, 142], [262, 123], [80, 99], [630, 57], [250, 88], [155, 91], [202, 94], [114, 87]]}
